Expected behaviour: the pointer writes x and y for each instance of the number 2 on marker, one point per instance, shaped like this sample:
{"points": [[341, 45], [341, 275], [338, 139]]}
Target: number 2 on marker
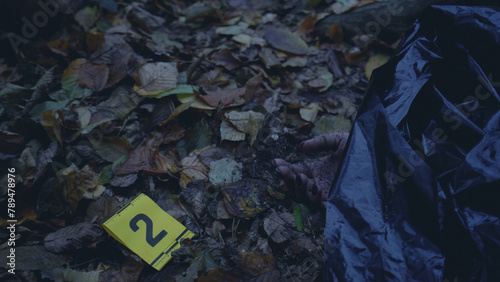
{"points": [[152, 241]]}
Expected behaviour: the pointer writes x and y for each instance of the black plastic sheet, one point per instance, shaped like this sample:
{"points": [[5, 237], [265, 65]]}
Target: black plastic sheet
{"points": [[417, 196]]}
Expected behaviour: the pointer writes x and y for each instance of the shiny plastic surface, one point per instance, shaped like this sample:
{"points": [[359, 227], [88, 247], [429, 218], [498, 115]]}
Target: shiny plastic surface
{"points": [[417, 196]]}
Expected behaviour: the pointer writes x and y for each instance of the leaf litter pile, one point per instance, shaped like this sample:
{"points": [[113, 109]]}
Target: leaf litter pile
{"points": [[186, 102]]}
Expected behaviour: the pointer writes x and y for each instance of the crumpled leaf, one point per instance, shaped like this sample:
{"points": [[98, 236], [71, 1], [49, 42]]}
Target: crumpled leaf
{"points": [[72, 237], [154, 78], [310, 112], [110, 148], [323, 81], [226, 59], [121, 102], [286, 41], [230, 132], [193, 194], [145, 19], [276, 225], [226, 97], [148, 158], [244, 199], [269, 58], [71, 79], [93, 76], [194, 101], [192, 169], [225, 170], [33, 258], [103, 208], [248, 122]]}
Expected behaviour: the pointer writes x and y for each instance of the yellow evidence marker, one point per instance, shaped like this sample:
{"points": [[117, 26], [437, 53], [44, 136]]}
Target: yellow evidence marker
{"points": [[147, 230]]}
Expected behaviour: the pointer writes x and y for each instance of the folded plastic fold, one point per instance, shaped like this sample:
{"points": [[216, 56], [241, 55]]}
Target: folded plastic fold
{"points": [[417, 196]]}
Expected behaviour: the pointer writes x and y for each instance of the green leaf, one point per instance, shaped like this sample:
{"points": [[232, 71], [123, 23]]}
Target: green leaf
{"points": [[299, 213], [181, 89], [106, 175]]}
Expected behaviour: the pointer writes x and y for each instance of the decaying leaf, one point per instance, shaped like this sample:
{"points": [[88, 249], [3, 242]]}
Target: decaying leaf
{"points": [[226, 97], [72, 237], [192, 169], [276, 226], [110, 148], [103, 208], [155, 78], [244, 198], [248, 122], [310, 112], [225, 170]]}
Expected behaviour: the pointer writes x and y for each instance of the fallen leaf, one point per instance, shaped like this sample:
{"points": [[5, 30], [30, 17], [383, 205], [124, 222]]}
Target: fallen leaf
{"points": [[249, 122], [306, 27], [72, 237], [225, 170], [226, 97], [110, 148], [286, 41], [375, 62], [87, 17], [276, 225], [93, 76], [154, 78], [310, 112], [226, 59]]}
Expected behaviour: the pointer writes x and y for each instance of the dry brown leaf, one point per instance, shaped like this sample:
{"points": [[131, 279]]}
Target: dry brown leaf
{"points": [[154, 78], [93, 76], [192, 169], [72, 237], [306, 27], [226, 59], [226, 97]]}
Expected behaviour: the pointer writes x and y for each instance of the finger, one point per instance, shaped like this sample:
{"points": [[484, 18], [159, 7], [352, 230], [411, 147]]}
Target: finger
{"points": [[301, 182], [288, 175], [331, 141], [296, 168]]}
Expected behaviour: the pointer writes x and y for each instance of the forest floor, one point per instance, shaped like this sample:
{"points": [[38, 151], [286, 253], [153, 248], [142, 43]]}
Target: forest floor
{"points": [[186, 102]]}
